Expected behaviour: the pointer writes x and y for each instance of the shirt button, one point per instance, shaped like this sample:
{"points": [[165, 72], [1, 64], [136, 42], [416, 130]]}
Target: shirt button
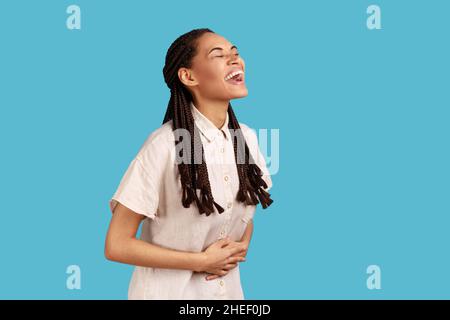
{"points": [[229, 205], [221, 282], [222, 233], [222, 150], [225, 178]]}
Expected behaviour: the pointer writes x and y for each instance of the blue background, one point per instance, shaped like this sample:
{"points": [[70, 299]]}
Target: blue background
{"points": [[364, 153]]}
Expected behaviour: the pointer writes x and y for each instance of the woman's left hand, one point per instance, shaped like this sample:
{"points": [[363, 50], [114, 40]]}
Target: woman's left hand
{"points": [[242, 253]]}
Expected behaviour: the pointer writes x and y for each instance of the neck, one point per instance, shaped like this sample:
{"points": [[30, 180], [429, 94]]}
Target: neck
{"points": [[214, 110]]}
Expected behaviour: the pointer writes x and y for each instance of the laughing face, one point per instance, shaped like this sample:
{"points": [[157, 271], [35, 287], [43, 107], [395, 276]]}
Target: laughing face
{"points": [[217, 72]]}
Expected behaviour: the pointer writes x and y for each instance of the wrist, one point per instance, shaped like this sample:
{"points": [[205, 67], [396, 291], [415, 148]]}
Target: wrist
{"points": [[199, 262]]}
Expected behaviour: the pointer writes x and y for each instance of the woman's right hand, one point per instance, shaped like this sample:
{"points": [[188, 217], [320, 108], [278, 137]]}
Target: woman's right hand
{"points": [[218, 256]]}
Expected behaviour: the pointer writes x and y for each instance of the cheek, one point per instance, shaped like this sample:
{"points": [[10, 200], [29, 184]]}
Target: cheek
{"points": [[211, 74], [212, 77]]}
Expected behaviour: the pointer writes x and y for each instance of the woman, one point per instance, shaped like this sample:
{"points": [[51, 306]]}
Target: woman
{"points": [[194, 182]]}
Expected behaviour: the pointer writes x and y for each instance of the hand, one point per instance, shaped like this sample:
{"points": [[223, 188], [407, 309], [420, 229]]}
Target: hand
{"points": [[240, 254], [244, 245], [222, 256]]}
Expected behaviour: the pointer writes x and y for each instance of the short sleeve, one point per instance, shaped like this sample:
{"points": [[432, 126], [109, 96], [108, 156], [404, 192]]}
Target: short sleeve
{"points": [[258, 157], [137, 190]]}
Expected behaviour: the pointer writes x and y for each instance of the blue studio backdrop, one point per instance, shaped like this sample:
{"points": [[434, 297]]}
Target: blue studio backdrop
{"points": [[363, 118]]}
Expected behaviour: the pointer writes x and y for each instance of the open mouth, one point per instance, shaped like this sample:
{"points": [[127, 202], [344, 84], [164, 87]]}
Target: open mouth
{"points": [[236, 77]]}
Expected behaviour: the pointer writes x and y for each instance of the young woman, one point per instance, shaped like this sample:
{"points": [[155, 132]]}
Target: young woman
{"points": [[194, 183]]}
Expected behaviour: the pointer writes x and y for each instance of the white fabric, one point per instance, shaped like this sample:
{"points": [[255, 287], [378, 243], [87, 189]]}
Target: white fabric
{"points": [[151, 186]]}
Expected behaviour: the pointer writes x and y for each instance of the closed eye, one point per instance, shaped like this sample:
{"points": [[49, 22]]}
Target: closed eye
{"points": [[236, 54]]}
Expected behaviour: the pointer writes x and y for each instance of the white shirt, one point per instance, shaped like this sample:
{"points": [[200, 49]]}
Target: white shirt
{"points": [[151, 186]]}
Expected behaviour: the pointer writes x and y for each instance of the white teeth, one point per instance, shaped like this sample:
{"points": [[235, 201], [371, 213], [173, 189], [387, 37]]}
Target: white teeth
{"points": [[231, 75]]}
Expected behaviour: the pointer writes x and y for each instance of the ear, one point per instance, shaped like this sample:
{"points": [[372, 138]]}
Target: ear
{"points": [[187, 77]]}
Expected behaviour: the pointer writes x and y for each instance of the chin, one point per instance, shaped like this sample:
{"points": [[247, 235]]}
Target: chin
{"points": [[240, 96], [241, 93]]}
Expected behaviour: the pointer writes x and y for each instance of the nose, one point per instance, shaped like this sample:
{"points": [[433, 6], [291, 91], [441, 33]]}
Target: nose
{"points": [[234, 59]]}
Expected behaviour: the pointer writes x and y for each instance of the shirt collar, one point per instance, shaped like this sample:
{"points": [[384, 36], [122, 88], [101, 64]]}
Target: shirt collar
{"points": [[206, 127]]}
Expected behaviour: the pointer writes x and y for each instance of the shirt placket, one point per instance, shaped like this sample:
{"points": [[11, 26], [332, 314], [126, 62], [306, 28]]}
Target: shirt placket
{"points": [[224, 230]]}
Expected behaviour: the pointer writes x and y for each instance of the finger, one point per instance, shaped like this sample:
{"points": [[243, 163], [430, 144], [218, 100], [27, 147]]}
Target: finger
{"points": [[225, 241], [230, 266], [235, 259], [239, 255], [236, 249], [212, 277], [218, 274]]}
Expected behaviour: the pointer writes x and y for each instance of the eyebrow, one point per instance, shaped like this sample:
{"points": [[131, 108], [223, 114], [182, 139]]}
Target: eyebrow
{"points": [[219, 48]]}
